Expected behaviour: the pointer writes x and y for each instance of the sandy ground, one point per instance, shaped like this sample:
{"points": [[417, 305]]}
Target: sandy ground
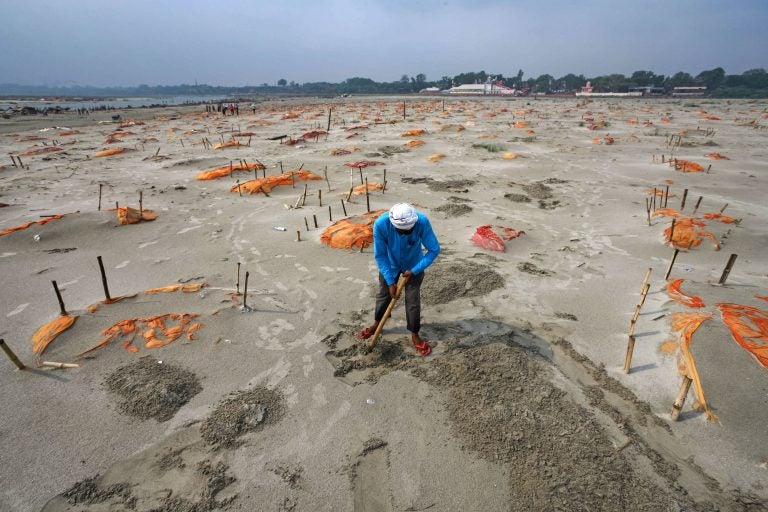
{"points": [[523, 404]]}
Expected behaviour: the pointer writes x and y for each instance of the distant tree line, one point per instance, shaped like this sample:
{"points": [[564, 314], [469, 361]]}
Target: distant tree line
{"points": [[750, 84]]}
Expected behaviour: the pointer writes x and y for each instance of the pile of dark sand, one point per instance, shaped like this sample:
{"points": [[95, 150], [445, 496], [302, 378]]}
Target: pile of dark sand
{"points": [[538, 190], [456, 186], [243, 412], [87, 492], [454, 210], [151, 389], [447, 281], [503, 406]]}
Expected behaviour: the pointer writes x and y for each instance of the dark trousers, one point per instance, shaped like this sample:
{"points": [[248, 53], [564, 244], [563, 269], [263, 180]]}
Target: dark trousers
{"points": [[412, 301]]}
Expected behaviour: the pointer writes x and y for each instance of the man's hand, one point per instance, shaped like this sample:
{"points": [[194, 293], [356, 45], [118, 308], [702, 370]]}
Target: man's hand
{"points": [[392, 291], [407, 274]]}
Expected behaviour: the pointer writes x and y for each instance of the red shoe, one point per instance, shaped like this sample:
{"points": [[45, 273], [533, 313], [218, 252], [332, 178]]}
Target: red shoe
{"points": [[423, 348], [365, 333]]}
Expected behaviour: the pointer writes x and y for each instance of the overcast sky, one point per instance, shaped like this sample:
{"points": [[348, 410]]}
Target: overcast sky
{"points": [[249, 42]]}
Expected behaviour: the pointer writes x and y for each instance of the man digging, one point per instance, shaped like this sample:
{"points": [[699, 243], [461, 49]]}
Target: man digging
{"points": [[398, 238]]}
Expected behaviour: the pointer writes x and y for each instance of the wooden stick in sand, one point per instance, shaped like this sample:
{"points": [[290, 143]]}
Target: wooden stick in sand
{"points": [[245, 291], [20, 162], [141, 204], [361, 175], [682, 203], [666, 196], [103, 278], [344, 208], [320, 197], [672, 231], [727, 269], [367, 198], [325, 173], [388, 312], [632, 325], [671, 263], [13, 159], [298, 235], [51, 364], [330, 109], [698, 202], [62, 309], [8, 352], [100, 187], [238, 189], [349, 196], [306, 224], [237, 283], [724, 207], [654, 198], [680, 400], [314, 219], [648, 209], [330, 215]]}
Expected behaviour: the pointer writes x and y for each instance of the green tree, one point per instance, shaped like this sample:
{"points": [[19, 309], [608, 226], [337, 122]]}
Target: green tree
{"points": [[712, 78], [543, 83], [282, 82], [421, 78], [679, 79]]}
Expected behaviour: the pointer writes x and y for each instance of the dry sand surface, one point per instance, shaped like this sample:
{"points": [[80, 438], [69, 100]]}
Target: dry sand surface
{"points": [[523, 403]]}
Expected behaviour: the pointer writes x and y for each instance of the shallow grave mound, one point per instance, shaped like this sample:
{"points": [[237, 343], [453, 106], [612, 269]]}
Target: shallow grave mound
{"points": [[447, 281], [454, 210], [504, 406], [152, 389], [243, 412]]}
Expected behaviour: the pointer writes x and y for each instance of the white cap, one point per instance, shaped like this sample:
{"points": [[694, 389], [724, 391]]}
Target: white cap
{"points": [[403, 216]]}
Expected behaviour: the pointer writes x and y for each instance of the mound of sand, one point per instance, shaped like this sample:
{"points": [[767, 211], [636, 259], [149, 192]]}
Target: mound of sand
{"points": [[504, 406], [454, 210], [152, 389], [243, 412], [447, 281]]}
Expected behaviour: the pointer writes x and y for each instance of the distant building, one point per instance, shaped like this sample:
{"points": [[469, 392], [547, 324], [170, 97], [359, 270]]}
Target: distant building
{"points": [[589, 91], [692, 91], [430, 90], [649, 90], [486, 89]]}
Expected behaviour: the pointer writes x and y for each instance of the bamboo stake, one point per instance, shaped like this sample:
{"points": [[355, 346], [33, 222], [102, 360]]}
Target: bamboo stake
{"points": [[648, 209], [682, 203], [330, 215], [298, 235], [646, 279], [680, 400], [723, 208], [62, 309], [727, 269], [304, 197], [344, 208], [8, 352], [306, 223], [367, 198], [632, 325], [325, 173], [13, 159], [20, 162], [141, 204], [350, 193], [666, 196], [672, 230], [103, 278], [52, 364], [100, 187], [314, 219], [320, 197]]}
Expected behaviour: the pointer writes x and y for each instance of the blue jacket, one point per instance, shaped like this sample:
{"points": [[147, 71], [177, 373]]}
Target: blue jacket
{"points": [[396, 253]]}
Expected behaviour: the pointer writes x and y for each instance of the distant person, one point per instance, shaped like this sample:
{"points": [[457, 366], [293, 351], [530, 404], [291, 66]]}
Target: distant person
{"points": [[400, 237], [253, 107]]}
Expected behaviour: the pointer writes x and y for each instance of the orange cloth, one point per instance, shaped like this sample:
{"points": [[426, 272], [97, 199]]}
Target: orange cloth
{"points": [[153, 329], [673, 290], [686, 324], [128, 215], [110, 152], [351, 232], [267, 184], [27, 224], [749, 327], [227, 170], [46, 333]]}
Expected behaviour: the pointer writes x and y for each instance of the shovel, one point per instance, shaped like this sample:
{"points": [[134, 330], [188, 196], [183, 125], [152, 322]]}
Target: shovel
{"points": [[392, 302]]}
